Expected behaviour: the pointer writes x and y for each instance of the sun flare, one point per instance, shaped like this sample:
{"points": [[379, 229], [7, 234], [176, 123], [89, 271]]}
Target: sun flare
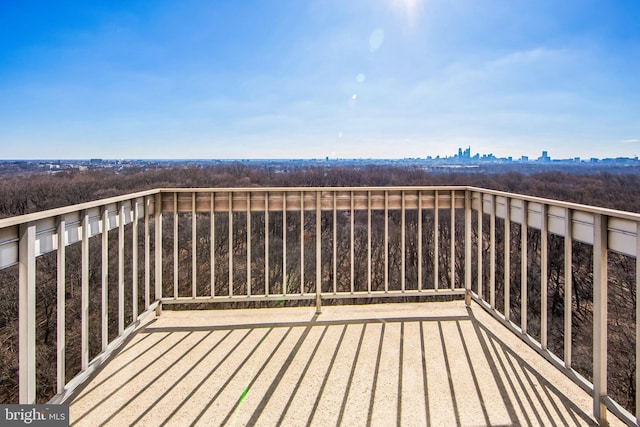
{"points": [[408, 9]]}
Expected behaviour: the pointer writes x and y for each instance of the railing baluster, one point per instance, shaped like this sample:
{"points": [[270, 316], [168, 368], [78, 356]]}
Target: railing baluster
{"points": [[158, 250], [147, 253], [27, 313], [467, 247], [600, 246], [212, 245], [84, 304], [176, 243], [403, 244], [452, 241], [480, 246], [121, 270], [248, 243], [568, 285], [368, 242], [492, 253], [230, 244], [284, 243], [352, 219], [507, 258], [386, 241], [436, 242], [302, 243], [543, 277], [266, 243], [419, 240], [318, 252], [105, 279], [335, 244], [60, 306], [524, 261], [194, 247], [134, 263]]}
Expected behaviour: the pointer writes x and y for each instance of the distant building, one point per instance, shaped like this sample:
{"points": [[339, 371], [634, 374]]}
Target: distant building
{"points": [[545, 157], [464, 155]]}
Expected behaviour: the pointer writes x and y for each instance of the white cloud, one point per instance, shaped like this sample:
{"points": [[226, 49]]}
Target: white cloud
{"points": [[524, 57], [631, 141]]}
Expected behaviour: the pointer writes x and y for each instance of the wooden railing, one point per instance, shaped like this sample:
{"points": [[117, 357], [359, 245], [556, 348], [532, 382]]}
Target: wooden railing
{"points": [[209, 246]]}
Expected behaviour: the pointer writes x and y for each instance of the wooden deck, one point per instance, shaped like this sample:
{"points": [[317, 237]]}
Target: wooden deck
{"points": [[385, 364]]}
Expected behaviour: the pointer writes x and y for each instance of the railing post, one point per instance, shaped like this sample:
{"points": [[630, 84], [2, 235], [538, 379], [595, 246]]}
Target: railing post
{"points": [[60, 306], [600, 246], [27, 313], [467, 247], [318, 253]]}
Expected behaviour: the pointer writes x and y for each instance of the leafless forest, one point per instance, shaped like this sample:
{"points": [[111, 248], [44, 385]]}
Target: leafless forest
{"points": [[21, 194]]}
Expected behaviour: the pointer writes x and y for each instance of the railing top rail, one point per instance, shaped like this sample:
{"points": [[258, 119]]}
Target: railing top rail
{"points": [[23, 219], [559, 203], [312, 189]]}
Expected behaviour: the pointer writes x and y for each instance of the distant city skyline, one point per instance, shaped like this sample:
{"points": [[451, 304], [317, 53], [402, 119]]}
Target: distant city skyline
{"points": [[379, 79], [465, 155]]}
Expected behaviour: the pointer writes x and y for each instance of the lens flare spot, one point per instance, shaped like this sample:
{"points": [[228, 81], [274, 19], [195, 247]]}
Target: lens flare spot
{"points": [[376, 39], [360, 78]]}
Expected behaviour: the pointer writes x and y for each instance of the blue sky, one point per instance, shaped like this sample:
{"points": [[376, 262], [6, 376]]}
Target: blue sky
{"points": [[309, 79]]}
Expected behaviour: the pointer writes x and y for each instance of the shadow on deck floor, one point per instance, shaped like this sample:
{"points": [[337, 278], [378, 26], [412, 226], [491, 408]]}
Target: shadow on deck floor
{"points": [[385, 364]]}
